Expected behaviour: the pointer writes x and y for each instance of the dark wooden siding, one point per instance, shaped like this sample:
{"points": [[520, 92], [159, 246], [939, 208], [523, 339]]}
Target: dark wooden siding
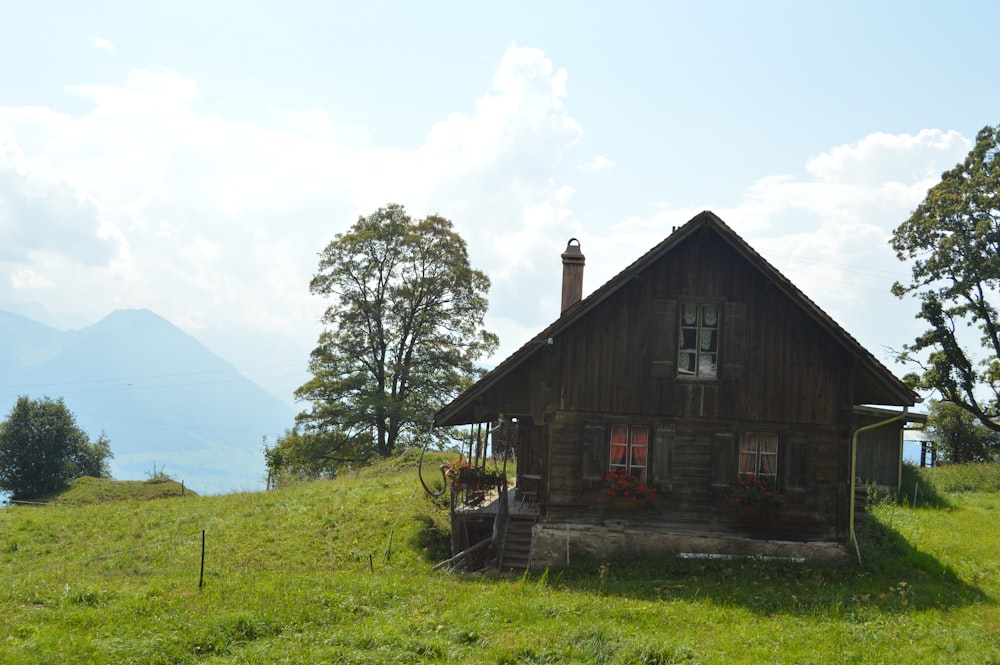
{"points": [[778, 371], [775, 363], [693, 465], [879, 453]]}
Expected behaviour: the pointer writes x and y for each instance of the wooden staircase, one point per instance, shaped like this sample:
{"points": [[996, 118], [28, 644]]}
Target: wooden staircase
{"points": [[516, 555]]}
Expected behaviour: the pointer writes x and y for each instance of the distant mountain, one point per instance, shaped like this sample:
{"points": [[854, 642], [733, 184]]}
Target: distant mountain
{"points": [[165, 401]]}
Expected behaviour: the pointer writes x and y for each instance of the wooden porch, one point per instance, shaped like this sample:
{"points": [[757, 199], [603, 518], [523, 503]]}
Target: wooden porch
{"points": [[493, 530], [490, 503]]}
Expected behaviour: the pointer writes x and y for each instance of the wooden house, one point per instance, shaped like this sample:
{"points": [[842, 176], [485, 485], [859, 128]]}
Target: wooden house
{"points": [[696, 367]]}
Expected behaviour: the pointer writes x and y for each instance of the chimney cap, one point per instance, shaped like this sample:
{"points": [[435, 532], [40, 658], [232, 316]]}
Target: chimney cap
{"points": [[573, 251]]}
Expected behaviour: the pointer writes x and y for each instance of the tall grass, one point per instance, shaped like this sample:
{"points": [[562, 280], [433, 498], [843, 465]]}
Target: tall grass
{"points": [[339, 571], [955, 478]]}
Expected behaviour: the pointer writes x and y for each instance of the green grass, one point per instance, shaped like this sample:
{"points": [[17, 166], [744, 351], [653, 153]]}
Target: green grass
{"points": [[339, 571], [958, 478], [89, 490]]}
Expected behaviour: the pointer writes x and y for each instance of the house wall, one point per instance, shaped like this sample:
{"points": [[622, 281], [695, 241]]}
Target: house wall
{"points": [[778, 371], [879, 456], [693, 465], [775, 363]]}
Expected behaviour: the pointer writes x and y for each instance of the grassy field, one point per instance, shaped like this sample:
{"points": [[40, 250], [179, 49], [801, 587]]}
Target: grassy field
{"points": [[339, 571]]}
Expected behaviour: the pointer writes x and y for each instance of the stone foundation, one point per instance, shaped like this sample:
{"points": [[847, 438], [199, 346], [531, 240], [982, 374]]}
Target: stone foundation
{"points": [[559, 545]]}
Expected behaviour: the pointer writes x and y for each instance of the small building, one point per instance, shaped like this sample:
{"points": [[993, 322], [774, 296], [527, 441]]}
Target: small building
{"points": [[696, 368]]}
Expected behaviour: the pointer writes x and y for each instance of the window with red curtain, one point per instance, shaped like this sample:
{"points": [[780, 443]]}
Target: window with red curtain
{"points": [[629, 449]]}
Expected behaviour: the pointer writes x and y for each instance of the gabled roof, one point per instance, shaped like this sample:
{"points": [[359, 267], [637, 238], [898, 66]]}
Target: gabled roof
{"points": [[874, 383]]}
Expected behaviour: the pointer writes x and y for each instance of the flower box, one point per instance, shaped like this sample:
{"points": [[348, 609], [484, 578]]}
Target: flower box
{"points": [[625, 491], [751, 490]]}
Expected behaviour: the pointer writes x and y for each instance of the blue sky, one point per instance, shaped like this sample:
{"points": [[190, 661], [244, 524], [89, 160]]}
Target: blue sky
{"points": [[193, 158]]}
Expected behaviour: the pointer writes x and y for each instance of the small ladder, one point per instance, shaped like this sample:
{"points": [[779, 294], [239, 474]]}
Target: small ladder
{"points": [[516, 554]]}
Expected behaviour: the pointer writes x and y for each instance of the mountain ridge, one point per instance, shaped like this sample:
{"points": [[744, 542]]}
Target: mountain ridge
{"points": [[165, 401]]}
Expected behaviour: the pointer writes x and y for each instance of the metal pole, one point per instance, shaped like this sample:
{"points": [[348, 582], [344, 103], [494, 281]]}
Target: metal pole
{"points": [[201, 575]]}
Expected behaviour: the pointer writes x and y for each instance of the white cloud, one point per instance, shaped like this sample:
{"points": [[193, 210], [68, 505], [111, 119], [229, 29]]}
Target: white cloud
{"points": [[44, 213], [599, 163], [103, 44], [147, 200], [880, 158], [216, 224], [828, 232], [28, 278]]}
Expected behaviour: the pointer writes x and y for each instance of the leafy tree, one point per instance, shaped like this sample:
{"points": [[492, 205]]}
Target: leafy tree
{"points": [[42, 449], [402, 336], [954, 239], [959, 436], [92, 458], [299, 454]]}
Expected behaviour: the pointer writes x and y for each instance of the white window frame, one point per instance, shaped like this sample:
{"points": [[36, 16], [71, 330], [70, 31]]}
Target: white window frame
{"points": [[632, 463], [758, 455], [698, 340]]}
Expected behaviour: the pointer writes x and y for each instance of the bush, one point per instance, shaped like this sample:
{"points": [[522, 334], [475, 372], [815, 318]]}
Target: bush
{"points": [[42, 449]]}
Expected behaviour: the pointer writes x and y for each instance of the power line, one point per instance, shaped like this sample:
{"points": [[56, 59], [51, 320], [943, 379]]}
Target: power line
{"points": [[862, 271], [202, 428], [848, 267], [148, 377], [146, 382]]}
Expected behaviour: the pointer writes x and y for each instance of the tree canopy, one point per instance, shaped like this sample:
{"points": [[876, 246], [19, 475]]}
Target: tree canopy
{"points": [[953, 239], [42, 449], [402, 334], [959, 436]]}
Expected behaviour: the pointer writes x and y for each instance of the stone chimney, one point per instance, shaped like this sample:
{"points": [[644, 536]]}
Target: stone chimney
{"points": [[572, 281]]}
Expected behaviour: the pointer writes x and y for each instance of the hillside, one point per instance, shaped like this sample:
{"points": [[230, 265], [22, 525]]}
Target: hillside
{"points": [[87, 490], [164, 400], [339, 571]]}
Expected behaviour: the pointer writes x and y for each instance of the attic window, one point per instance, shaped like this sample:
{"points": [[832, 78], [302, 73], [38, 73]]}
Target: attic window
{"points": [[698, 354], [629, 449]]}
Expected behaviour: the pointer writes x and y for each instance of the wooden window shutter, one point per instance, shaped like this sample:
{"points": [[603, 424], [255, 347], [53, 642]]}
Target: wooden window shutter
{"points": [[663, 457], [595, 450], [734, 338], [724, 461], [795, 458], [664, 343]]}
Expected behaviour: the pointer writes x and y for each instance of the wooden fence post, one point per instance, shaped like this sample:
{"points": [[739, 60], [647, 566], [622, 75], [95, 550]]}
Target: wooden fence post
{"points": [[201, 575]]}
